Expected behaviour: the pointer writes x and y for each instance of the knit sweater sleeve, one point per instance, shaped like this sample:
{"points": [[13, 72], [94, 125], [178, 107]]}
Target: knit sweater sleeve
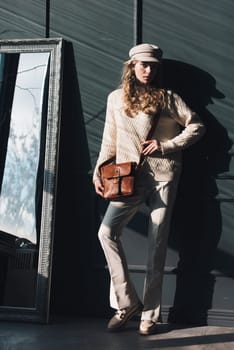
{"points": [[192, 126], [108, 145]]}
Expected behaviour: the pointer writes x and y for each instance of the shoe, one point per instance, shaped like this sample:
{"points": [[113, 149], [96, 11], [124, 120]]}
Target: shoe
{"points": [[147, 327], [121, 317]]}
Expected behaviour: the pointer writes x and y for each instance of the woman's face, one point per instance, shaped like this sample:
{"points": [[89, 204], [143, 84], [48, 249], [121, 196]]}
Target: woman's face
{"points": [[145, 71]]}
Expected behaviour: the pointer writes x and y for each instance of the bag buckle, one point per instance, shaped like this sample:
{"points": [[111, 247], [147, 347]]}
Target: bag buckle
{"points": [[116, 176]]}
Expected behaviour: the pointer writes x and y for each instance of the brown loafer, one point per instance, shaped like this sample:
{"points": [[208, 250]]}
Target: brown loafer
{"points": [[121, 317], [147, 327]]}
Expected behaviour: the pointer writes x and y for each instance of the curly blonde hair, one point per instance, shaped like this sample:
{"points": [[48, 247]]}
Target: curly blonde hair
{"points": [[139, 97]]}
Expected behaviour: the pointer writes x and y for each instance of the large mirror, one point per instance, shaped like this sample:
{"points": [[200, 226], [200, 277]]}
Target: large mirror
{"points": [[30, 94]]}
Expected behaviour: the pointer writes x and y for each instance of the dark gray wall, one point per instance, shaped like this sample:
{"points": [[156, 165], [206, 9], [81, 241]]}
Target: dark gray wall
{"points": [[197, 39]]}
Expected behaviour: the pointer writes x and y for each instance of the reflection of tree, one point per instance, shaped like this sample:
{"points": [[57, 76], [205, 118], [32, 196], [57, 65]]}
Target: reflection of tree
{"points": [[29, 90], [19, 176]]}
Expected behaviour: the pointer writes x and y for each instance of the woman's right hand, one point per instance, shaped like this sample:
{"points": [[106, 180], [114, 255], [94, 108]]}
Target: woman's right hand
{"points": [[99, 187]]}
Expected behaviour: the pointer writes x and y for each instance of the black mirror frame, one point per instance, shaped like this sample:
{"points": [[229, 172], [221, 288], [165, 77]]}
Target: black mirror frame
{"points": [[40, 313]]}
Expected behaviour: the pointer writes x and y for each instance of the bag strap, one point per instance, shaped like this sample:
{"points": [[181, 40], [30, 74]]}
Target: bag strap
{"points": [[155, 123], [151, 132]]}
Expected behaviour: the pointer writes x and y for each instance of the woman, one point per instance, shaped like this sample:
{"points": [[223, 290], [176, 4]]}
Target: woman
{"points": [[131, 111]]}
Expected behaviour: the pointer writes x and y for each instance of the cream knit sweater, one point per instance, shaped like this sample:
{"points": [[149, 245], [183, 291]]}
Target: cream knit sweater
{"points": [[178, 127]]}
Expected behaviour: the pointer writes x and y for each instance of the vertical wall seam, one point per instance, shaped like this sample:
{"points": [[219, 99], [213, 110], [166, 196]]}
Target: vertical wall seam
{"points": [[47, 24], [137, 25]]}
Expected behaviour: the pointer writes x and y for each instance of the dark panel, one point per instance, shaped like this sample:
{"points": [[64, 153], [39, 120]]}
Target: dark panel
{"points": [[100, 43], [202, 35], [101, 33], [198, 48], [22, 19]]}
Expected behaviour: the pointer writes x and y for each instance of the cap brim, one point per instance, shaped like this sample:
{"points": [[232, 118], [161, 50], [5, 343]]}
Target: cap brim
{"points": [[143, 59]]}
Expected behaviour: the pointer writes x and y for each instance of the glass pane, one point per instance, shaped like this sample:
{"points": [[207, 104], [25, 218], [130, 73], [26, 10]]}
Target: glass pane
{"points": [[19, 184]]}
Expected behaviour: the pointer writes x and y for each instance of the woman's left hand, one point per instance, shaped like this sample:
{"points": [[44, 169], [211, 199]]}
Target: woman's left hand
{"points": [[150, 146]]}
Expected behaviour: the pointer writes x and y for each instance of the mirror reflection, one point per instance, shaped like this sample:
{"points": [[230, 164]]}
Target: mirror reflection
{"points": [[23, 105]]}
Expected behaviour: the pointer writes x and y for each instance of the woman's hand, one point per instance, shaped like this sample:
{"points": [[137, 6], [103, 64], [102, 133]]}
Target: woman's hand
{"points": [[99, 187], [150, 146]]}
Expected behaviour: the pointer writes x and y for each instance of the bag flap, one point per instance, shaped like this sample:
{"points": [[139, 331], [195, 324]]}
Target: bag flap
{"points": [[116, 170]]}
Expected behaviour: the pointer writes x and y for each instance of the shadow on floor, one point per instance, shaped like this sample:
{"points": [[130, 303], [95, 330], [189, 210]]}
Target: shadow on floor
{"points": [[89, 334]]}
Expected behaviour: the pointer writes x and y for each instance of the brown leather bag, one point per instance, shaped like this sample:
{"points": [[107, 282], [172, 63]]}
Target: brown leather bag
{"points": [[118, 179]]}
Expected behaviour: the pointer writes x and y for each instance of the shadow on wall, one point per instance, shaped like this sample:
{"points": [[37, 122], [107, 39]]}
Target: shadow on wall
{"points": [[197, 224], [73, 226]]}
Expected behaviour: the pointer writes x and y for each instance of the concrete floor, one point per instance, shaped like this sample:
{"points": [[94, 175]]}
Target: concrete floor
{"points": [[91, 334]]}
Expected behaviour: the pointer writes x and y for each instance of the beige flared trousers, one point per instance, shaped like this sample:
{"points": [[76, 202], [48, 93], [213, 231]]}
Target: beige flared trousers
{"points": [[160, 199]]}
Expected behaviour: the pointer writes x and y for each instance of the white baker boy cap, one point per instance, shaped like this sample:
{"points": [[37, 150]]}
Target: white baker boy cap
{"points": [[145, 53]]}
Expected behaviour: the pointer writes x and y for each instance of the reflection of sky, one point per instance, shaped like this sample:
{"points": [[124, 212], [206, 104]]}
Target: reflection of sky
{"points": [[17, 200], [27, 92]]}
